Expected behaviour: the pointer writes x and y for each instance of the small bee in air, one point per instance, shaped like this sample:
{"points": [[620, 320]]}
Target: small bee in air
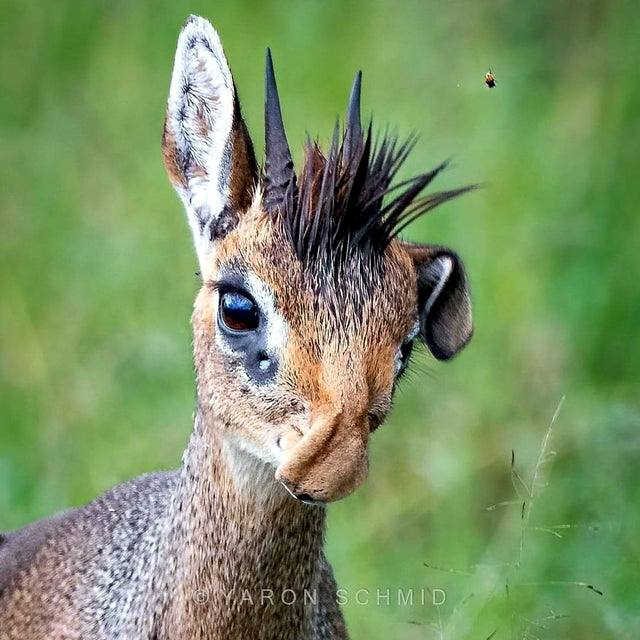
{"points": [[489, 79]]}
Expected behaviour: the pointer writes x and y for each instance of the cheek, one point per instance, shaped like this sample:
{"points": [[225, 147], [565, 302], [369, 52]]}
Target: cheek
{"points": [[253, 365], [203, 330], [382, 368]]}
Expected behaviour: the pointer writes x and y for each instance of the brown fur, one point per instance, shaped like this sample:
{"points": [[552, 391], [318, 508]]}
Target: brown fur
{"points": [[190, 554], [244, 172], [170, 157], [336, 368]]}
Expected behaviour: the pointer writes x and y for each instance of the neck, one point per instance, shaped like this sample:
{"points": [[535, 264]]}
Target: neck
{"points": [[246, 554]]}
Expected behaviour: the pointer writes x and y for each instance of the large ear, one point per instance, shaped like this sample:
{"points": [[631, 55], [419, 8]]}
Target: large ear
{"points": [[207, 151], [444, 305]]}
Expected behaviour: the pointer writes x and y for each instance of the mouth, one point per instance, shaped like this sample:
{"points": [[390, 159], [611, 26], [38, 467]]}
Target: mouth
{"points": [[303, 497]]}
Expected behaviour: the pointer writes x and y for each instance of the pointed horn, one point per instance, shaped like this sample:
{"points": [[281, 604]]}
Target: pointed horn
{"points": [[353, 129], [279, 175]]}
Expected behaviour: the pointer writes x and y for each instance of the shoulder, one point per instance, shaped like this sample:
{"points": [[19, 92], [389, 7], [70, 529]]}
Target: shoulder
{"points": [[19, 548], [124, 508]]}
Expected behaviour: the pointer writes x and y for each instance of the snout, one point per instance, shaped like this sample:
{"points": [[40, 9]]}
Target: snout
{"points": [[329, 462]]}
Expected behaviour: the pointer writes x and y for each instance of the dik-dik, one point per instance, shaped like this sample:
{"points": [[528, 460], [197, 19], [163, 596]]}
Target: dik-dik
{"points": [[309, 307]]}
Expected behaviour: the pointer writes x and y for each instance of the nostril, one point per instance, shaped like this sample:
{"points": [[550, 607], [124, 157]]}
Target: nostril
{"points": [[264, 362]]}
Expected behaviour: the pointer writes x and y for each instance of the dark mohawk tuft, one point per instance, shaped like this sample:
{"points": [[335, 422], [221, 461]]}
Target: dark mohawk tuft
{"points": [[343, 203], [348, 204]]}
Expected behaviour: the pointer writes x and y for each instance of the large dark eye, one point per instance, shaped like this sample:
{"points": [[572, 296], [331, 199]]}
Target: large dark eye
{"points": [[405, 352], [237, 312]]}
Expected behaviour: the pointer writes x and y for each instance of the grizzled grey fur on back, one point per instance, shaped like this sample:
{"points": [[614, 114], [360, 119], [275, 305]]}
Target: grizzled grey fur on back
{"points": [[106, 546]]}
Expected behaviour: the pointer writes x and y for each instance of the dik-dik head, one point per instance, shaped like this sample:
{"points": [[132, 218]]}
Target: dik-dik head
{"points": [[310, 303]]}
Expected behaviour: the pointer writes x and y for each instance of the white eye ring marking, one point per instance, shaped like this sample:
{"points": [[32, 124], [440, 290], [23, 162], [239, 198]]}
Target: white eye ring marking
{"points": [[272, 324], [275, 324], [414, 331]]}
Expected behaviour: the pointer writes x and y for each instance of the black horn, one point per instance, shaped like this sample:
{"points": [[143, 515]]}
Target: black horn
{"points": [[279, 176], [353, 128]]}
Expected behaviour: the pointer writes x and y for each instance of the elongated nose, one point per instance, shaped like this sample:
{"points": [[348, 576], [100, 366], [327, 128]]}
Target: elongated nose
{"points": [[331, 460]]}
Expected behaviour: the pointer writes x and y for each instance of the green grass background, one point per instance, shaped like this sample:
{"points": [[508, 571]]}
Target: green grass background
{"points": [[97, 280]]}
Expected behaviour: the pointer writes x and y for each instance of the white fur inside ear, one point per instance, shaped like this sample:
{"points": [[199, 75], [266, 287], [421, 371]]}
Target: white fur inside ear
{"points": [[199, 117], [438, 273]]}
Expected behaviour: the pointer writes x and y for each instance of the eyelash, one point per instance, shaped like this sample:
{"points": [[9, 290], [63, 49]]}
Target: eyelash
{"points": [[406, 350]]}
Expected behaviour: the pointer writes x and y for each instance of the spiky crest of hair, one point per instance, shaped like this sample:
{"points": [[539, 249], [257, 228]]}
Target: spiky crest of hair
{"points": [[347, 205]]}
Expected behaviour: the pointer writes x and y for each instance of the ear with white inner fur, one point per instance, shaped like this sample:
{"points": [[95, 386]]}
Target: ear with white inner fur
{"points": [[207, 151], [444, 305]]}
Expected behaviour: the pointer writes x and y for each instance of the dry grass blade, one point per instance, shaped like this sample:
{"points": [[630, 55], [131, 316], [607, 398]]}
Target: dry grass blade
{"points": [[519, 484], [504, 503], [568, 583], [445, 570], [537, 484]]}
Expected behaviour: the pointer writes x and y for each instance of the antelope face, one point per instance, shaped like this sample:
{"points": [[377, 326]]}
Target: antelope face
{"points": [[310, 303]]}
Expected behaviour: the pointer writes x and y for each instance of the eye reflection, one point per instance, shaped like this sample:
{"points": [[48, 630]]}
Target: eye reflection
{"points": [[238, 312]]}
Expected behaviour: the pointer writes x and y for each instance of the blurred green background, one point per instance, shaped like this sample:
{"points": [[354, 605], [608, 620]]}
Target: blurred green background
{"points": [[97, 280]]}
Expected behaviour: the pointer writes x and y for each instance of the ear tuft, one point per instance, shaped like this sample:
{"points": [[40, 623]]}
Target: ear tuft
{"points": [[207, 151], [444, 304]]}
